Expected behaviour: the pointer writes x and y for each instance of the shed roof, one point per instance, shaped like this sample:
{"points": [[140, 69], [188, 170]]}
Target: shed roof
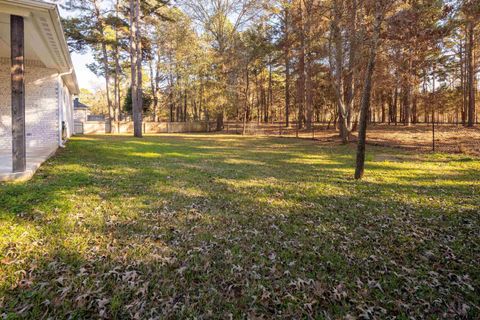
{"points": [[44, 36], [78, 105]]}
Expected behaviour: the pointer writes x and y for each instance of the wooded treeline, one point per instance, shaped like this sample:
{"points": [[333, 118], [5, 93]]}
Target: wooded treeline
{"points": [[348, 62], [283, 60]]}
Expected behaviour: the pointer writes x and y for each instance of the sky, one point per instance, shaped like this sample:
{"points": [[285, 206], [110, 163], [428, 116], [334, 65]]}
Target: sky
{"points": [[86, 78]]}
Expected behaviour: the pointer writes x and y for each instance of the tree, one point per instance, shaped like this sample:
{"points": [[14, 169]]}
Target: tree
{"points": [[89, 30], [380, 10], [343, 62], [221, 20], [136, 67], [471, 11]]}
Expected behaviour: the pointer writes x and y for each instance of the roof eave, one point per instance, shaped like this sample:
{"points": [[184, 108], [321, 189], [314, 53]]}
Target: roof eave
{"points": [[31, 3], [54, 14]]}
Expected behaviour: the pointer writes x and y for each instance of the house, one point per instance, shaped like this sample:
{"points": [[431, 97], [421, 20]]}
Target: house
{"points": [[37, 86]]}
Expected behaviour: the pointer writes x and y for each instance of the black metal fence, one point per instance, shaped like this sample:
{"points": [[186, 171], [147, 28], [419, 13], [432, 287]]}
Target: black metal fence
{"points": [[438, 136]]}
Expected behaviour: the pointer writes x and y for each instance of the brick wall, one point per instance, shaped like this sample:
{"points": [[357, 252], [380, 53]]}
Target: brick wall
{"points": [[41, 105]]}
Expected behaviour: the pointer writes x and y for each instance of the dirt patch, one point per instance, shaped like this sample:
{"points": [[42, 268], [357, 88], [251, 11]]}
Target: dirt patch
{"points": [[448, 138]]}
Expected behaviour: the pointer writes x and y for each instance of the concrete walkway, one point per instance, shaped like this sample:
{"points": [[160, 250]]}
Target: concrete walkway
{"points": [[35, 158]]}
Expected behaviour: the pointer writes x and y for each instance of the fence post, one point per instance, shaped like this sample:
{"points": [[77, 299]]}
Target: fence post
{"points": [[313, 131]]}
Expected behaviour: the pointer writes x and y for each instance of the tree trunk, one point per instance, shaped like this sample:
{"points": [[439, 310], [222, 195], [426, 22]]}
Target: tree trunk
{"points": [[247, 95], [365, 102], [470, 75], [301, 69], [133, 69], [185, 99], [101, 29], [154, 90], [462, 84], [425, 117], [220, 121], [338, 73], [406, 104], [349, 78], [118, 70], [395, 106], [414, 105], [308, 65], [137, 125], [270, 94], [382, 106], [287, 67]]}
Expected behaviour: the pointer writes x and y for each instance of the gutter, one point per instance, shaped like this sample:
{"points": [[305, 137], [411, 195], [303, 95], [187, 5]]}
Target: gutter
{"points": [[61, 143], [60, 112]]}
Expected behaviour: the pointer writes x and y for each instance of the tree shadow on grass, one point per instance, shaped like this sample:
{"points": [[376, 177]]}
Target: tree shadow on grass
{"points": [[192, 261], [184, 236]]}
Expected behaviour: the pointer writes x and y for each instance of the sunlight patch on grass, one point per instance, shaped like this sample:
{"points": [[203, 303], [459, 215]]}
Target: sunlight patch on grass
{"points": [[313, 159], [244, 162], [145, 154], [183, 191], [71, 168], [86, 138], [250, 183]]}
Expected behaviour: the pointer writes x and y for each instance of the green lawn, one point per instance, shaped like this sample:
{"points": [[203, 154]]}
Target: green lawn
{"points": [[184, 226]]}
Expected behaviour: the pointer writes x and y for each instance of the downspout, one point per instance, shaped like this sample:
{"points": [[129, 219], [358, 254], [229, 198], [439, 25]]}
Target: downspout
{"points": [[59, 107]]}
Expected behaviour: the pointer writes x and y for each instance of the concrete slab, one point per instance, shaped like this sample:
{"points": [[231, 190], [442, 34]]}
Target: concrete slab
{"points": [[35, 158]]}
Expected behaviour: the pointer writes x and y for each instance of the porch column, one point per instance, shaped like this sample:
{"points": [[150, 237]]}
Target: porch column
{"points": [[19, 158]]}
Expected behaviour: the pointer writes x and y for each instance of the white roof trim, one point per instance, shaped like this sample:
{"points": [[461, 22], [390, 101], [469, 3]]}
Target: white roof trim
{"points": [[55, 41]]}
